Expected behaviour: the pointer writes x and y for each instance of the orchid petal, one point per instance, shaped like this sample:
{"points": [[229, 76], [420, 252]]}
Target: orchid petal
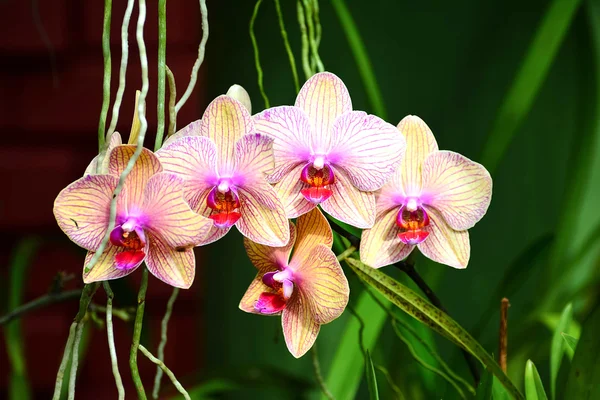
{"points": [[313, 230], [225, 121], [269, 258], [92, 168], [105, 268], [322, 282], [82, 209], [324, 97], [289, 190], [269, 304], [444, 244], [460, 189], [263, 218], [252, 295], [197, 201], [169, 216], [420, 142], [350, 205], [146, 165], [299, 327], [290, 128], [253, 159], [175, 267], [380, 246], [191, 129], [391, 195], [367, 148]]}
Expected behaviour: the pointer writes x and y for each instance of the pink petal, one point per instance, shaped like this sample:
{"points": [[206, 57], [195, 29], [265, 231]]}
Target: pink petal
{"points": [[290, 129], [380, 245], [82, 209], [367, 148], [320, 278], [444, 244], [350, 205], [253, 159], [129, 259], [225, 121], [323, 98], [145, 167], [263, 218], [174, 266], [198, 202], [289, 190], [391, 195], [106, 268], [169, 216], [191, 129], [420, 142], [460, 189], [270, 258], [269, 303], [299, 327], [253, 293], [92, 168], [312, 230]]}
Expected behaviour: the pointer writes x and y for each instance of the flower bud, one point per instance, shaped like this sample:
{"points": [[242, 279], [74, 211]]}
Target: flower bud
{"points": [[239, 93]]}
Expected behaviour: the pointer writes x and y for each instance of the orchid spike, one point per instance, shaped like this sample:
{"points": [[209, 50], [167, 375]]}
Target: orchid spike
{"points": [[430, 202], [308, 290], [224, 163], [153, 222], [327, 154]]}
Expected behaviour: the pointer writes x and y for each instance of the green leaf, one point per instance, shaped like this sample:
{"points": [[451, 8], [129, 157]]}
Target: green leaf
{"points": [[528, 82], [570, 341], [484, 390], [534, 389], [371, 378], [584, 374], [558, 346], [421, 309]]}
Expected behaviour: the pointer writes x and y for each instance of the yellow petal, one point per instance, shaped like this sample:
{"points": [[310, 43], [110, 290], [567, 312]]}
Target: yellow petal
{"points": [[444, 244], [299, 327]]}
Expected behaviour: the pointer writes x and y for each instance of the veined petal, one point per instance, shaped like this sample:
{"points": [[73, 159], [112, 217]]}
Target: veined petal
{"points": [[350, 205], [460, 189], [420, 142], [169, 216], [380, 245], [105, 268], [299, 327], [289, 192], [225, 121], [367, 148], [146, 165], [313, 230], [191, 129], [269, 258], [192, 157], [197, 201], [175, 267], [82, 209], [263, 218], [115, 140], [324, 97], [256, 288], [290, 128], [253, 159], [444, 244], [322, 282], [391, 195]]}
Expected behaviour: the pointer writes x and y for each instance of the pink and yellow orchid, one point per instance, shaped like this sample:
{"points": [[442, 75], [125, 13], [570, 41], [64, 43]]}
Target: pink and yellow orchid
{"points": [[225, 163], [309, 290], [327, 154], [430, 202], [153, 221]]}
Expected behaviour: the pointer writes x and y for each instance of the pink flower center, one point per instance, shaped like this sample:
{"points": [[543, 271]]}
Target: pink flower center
{"points": [[131, 238], [411, 220], [224, 202], [282, 283], [318, 175]]}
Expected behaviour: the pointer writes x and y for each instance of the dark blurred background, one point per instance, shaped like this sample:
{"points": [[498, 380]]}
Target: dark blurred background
{"points": [[450, 63]]}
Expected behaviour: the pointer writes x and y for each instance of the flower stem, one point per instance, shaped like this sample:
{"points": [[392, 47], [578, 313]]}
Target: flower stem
{"points": [[317, 367], [40, 302], [286, 43], [111, 340], [503, 341], [259, 70], [347, 253], [161, 82], [316, 62], [75, 360], [172, 99], [137, 332], [107, 71], [308, 72], [166, 370], [163, 341]]}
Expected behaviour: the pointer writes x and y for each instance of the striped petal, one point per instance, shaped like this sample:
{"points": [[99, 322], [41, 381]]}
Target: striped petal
{"points": [[324, 97], [197, 201], [169, 216], [106, 268], [92, 168], [146, 165], [82, 209], [420, 142], [289, 192], [300, 329], [380, 245], [253, 293], [367, 148], [225, 121], [322, 282], [253, 159], [313, 230], [175, 267], [391, 194], [460, 189], [444, 244], [263, 218], [290, 129], [350, 205], [191, 129]]}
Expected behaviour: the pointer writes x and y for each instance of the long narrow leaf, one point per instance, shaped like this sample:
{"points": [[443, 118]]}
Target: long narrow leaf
{"points": [[570, 341], [371, 378], [534, 389], [557, 348]]}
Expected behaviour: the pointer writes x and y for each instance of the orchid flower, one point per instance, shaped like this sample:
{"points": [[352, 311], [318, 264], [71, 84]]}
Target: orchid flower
{"points": [[430, 202], [327, 154], [225, 163], [153, 221], [309, 290]]}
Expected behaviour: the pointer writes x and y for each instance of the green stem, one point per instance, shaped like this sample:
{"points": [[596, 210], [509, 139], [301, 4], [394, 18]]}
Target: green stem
{"points": [[111, 340], [286, 43], [316, 60], [308, 72], [137, 332], [161, 82], [259, 71], [167, 371], [365, 68], [172, 99], [107, 70], [317, 368], [163, 341], [40, 302], [75, 360]]}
